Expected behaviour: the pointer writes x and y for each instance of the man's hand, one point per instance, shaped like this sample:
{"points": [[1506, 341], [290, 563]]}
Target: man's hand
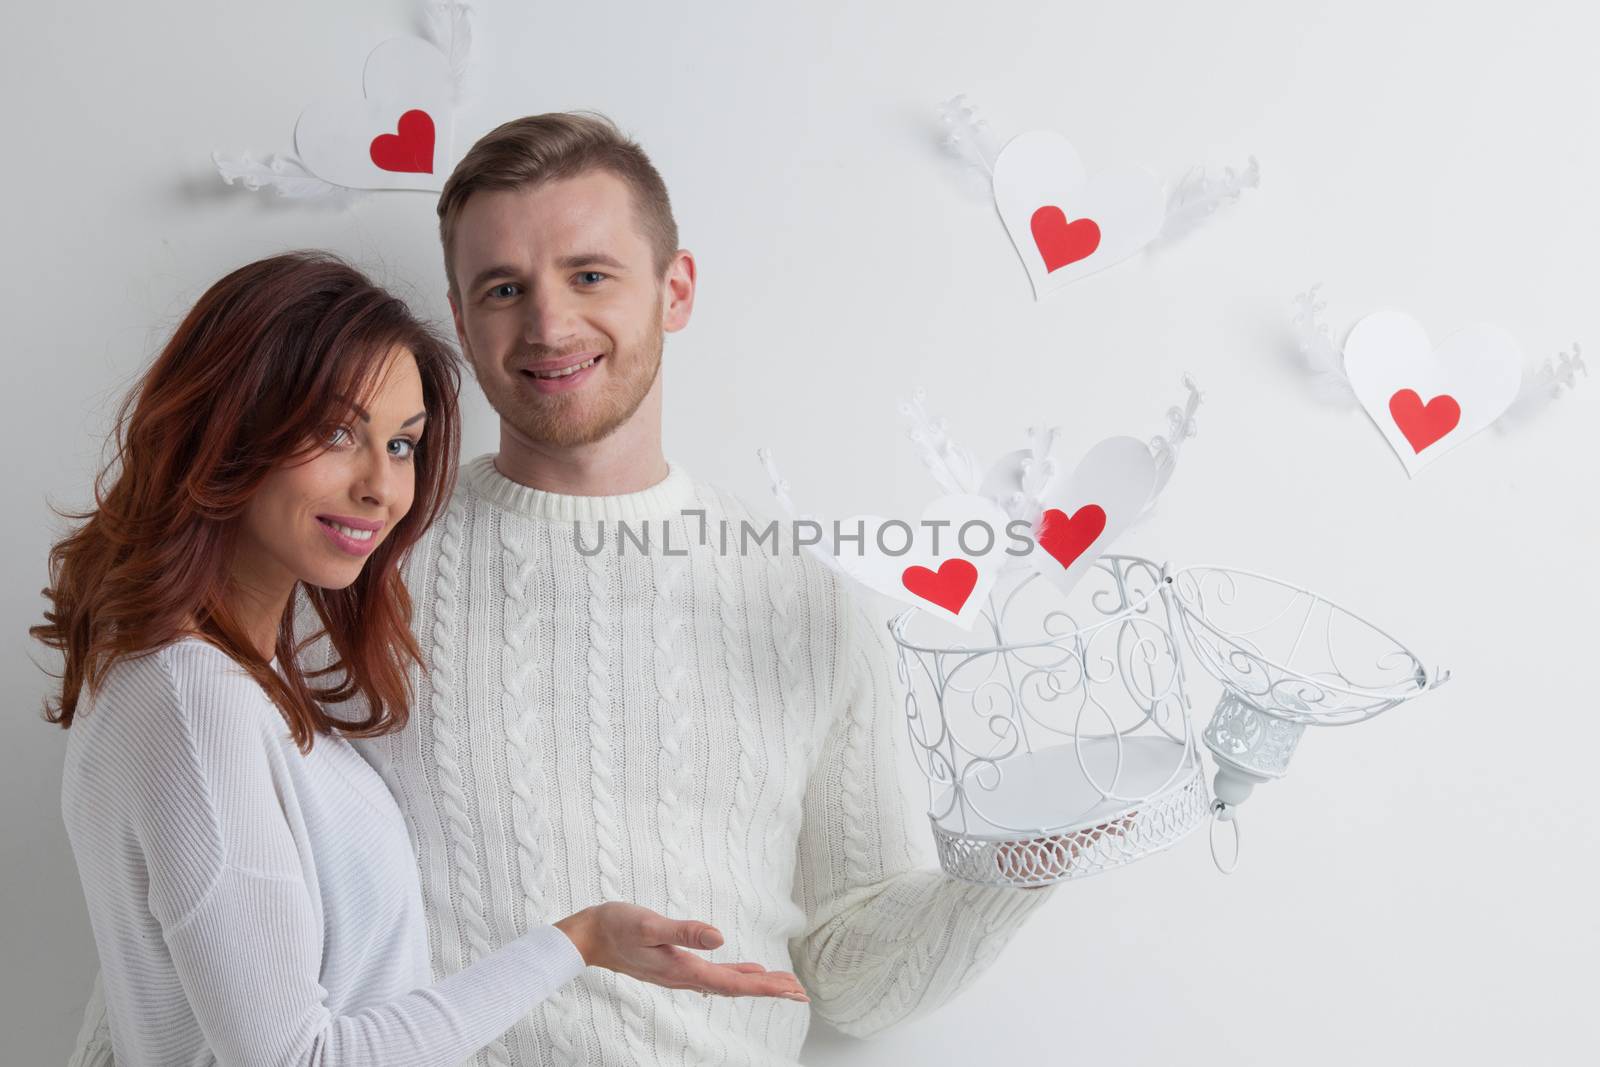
{"points": [[643, 944]]}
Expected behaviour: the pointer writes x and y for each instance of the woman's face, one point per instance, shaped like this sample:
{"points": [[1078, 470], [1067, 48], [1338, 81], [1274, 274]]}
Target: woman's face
{"points": [[318, 521]]}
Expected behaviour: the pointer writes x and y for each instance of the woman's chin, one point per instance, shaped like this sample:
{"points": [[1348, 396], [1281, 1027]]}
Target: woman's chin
{"points": [[332, 578]]}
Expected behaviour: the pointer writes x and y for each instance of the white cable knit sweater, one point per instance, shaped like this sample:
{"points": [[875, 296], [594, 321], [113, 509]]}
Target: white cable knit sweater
{"points": [[706, 733]]}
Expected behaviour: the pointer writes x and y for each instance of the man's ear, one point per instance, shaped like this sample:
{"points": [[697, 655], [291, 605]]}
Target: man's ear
{"points": [[678, 302], [455, 316]]}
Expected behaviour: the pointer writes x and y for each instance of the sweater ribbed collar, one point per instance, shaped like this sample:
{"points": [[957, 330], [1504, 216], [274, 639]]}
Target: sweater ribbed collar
{"points": [[664, 500]]}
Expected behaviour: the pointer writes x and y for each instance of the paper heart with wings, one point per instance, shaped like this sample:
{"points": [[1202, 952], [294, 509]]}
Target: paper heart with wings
{"points": [[1427, 399], [1038, 515], [396, 135], [1066, 221]]}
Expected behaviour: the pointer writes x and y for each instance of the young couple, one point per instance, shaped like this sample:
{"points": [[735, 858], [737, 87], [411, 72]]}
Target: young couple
{"points": [[349, 726]]}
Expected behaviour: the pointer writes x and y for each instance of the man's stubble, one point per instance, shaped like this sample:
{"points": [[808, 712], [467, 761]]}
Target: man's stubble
{"points": [[570, 421]]}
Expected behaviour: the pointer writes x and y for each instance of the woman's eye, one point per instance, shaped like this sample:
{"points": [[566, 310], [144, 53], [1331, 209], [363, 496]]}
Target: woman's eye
{"points": [[407, 444], [504, 291], [332, 436]]}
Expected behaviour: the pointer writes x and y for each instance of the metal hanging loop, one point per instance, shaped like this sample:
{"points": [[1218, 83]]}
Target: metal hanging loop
{"points": [[1221, 813]]}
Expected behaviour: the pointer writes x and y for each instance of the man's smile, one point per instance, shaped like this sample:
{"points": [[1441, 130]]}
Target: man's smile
{"points": [[561, 371], [559, 376]]}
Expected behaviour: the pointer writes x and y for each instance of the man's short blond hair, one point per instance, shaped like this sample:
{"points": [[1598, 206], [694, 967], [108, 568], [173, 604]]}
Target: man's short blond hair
{"points": [[562, 144]]}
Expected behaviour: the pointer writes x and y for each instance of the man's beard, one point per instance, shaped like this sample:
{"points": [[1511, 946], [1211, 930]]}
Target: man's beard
{"points": [[566, 420]]}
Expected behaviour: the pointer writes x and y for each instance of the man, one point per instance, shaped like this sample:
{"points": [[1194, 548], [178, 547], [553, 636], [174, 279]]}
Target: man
{"points": [[704, 731]]}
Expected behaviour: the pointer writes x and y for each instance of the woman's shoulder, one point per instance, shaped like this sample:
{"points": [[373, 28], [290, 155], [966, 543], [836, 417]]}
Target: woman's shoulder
{"points": [[184, 687], [173, 728], [181, 766], [178, 664], [192, 656]]}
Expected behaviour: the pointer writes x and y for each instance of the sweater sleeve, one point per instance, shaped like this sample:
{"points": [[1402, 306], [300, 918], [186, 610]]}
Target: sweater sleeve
{"points": [[238, 920], [884, 941], [93, 1047]]}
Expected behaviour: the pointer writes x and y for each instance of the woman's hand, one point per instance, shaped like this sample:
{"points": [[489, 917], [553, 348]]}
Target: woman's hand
{"points": [[638, 942]]}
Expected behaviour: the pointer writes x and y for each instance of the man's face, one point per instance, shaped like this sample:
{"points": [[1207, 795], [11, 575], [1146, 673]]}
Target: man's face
{"points": [[559, 308]]}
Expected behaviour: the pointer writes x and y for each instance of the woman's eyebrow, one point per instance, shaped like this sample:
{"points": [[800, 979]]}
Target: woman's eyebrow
{"points": [[368, 418]]}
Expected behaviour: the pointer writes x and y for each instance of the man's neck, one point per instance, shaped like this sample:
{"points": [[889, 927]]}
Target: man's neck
{"points": [[577, 473]]}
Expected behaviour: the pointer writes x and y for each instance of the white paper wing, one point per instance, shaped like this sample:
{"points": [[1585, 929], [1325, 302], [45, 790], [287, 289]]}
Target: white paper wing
{"points": [[283, 174]]}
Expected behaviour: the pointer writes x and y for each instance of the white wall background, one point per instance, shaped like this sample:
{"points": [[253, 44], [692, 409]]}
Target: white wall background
{"points": [[1421, 888]]}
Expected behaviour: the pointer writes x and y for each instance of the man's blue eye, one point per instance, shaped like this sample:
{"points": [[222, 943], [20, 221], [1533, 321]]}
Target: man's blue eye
{"points": [[506, 290], [590, 275]]}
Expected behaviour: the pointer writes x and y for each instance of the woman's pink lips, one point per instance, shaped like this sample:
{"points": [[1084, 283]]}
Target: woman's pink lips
{"points": [[562, 385], [348, 544], [353, 523]]}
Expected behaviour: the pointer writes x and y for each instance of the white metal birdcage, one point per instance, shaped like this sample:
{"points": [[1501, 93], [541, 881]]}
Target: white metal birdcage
{"points": [[1056, 743]]}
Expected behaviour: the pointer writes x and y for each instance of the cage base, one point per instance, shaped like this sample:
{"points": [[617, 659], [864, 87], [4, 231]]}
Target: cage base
{"points": [[1104, 835]]}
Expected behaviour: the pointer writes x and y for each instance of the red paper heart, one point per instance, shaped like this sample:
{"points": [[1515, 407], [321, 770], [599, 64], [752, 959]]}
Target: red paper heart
{"points": [[949, 588], [410, 150], [1068, 537], [1061, 242], [1423, 424]]}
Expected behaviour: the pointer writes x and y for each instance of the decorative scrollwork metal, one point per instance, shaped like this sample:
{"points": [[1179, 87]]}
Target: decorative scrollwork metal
{"points": [[1055, 744], [1059, 744], [1291, 652]]}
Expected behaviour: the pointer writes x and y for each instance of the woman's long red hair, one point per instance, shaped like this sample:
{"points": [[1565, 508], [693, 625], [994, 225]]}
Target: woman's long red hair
{"points": [[257, 375]]}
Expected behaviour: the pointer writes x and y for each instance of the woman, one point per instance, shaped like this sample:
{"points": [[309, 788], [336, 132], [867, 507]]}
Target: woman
{"points": [[250, 881]]}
